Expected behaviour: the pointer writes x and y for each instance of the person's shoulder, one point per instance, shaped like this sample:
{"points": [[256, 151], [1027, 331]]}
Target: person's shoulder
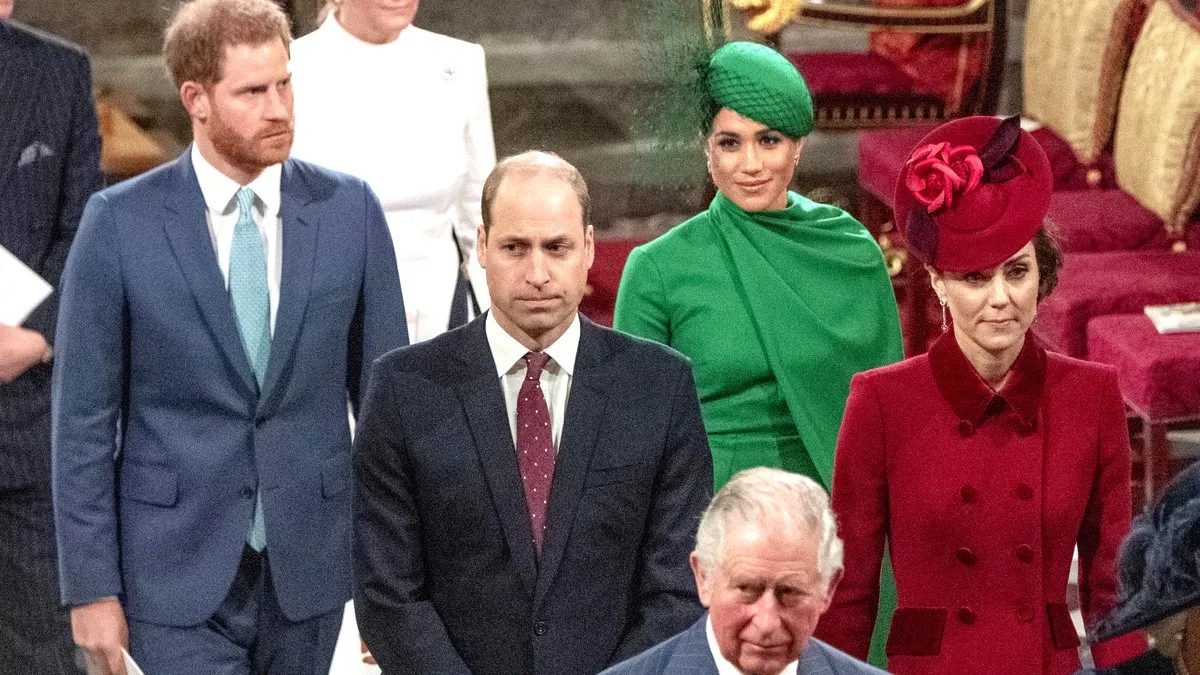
{"points": [[429, 359], [1066, 373], [636, 350], [151, 184], [45, 47], [428, 38], [653, 660], [689, 243], [323, 183], [839, 662], [899, 373]]}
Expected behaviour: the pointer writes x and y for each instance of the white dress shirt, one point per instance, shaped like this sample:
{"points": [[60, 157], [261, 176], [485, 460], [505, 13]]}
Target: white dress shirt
{"points": [[410, 117], [556, 376], [220, 199], [724, 667]]}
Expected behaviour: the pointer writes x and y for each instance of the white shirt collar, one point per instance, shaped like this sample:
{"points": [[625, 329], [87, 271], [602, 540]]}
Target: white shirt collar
{"points": [[219, 190], [724, 667], [507, 352]]}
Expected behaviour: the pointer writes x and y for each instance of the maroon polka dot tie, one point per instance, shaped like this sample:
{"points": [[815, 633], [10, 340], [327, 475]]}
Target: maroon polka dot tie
{"points": [[535, 445]]}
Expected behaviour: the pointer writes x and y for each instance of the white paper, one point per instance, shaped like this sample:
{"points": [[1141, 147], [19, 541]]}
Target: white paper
{"points": [[21, 289], [131, 666]]}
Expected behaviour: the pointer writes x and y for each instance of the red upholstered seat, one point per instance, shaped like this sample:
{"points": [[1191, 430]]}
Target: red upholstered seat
{"points": [[853, 73], [1069, 172], [605, 277], [1113, 282], [1109, 220], [1159, 374], [881, 155]]}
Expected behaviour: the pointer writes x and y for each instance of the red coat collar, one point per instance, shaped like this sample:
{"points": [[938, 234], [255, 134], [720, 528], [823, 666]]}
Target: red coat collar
{"points": [[973, 400]]}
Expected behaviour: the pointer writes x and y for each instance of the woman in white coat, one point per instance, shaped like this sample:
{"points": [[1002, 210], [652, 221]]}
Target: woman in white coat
{"points": [[407, 111]]}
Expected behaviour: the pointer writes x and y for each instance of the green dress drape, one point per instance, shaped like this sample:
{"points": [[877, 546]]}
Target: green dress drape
{"points": [[777, 310]]}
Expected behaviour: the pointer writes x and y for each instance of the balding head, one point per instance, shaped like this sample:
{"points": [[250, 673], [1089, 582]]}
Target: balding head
{"points": [[528, 165]]}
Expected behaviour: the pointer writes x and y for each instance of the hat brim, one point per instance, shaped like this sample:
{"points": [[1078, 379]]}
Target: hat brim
{"points": [[1142, 611]]}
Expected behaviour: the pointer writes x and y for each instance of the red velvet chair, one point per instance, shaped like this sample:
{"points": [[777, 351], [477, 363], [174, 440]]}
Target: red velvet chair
{"points": [[928, 60], [600, 298]]}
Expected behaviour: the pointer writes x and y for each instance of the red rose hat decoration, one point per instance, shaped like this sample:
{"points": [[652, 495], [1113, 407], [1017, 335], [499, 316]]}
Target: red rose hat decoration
{"points": [[973, 192]]}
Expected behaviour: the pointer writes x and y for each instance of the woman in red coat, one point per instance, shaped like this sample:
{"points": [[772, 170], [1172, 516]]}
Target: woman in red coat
{"points": [[983, 463]]}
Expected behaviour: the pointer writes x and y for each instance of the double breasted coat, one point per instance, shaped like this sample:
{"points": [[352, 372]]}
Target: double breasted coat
{"points": [[982, 497]]}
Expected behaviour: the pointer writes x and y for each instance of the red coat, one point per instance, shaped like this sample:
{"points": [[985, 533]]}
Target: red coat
{"points": [[982, 497]]}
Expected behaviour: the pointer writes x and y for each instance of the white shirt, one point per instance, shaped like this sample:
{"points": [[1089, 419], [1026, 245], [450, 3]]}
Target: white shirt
{"points": [[556, 376], [410, 117], [724, 667], [220, 199]]}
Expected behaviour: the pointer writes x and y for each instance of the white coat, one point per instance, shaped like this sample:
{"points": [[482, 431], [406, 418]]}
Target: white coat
{"points": [[410, 117]]}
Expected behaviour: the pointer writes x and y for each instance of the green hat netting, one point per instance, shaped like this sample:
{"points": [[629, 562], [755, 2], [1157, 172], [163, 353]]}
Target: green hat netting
{"points": [[757, 82]]}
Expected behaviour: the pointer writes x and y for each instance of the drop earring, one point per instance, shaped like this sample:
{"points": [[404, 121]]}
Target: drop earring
{"points": [[945, 326]]}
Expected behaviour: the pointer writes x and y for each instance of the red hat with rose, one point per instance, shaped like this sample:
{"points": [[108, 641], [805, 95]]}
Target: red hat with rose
{"points": [[973, 192]]}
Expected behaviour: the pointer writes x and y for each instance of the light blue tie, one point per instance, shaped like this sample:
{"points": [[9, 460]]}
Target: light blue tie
{"points": [[252, 305]]}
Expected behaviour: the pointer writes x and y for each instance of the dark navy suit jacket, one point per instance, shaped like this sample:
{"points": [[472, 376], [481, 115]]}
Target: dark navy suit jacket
{"points": [[161, 437], [49, 166], [447, 580], [688, 654]]}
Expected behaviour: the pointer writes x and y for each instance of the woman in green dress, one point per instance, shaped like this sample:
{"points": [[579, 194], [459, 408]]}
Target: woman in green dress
{"points": [[776, 299]]}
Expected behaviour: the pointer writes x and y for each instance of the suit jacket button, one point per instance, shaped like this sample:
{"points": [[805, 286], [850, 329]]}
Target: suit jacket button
{"points": [[966, 556], [965, 428], [1024, 492], [969, 494], [966, 615], [1024, 612], [540, 628], [1024, 553]]}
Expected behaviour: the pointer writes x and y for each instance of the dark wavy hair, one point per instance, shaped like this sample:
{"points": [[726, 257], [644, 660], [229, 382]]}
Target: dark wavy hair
{"points": [[1049, 257]]}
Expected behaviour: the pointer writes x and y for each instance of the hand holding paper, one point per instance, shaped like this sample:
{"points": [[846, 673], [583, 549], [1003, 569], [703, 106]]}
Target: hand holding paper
{"points": [[24, 290]]}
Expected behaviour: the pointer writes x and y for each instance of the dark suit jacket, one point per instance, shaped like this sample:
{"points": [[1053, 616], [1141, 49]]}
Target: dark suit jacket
{"points": [[49, 166], [446, 579], [151, 367], [688, 654]]}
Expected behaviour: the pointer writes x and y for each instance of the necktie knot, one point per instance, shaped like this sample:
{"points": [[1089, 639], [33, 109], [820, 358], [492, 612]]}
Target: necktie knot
{"points": [[245, 200], [535, 362]]}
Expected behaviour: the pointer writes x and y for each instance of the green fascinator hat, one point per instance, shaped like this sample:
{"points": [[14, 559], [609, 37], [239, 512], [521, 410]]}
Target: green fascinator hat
{"points": [[756, 81]]}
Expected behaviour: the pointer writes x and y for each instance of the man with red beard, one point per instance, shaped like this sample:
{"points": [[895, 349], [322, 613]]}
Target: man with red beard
{"points": [[216, 315]]}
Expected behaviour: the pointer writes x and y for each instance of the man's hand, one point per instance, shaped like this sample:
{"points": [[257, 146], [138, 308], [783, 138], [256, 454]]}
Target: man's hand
{"points": [[20, 350], [99, 628]]}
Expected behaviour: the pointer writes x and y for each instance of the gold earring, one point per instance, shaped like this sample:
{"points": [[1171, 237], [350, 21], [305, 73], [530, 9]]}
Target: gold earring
{"points": [[945, 326]]}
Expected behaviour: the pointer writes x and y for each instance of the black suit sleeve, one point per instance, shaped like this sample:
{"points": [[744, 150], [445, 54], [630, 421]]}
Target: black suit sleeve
{"points": [[395, 617], [81, 177], [667, 601]]}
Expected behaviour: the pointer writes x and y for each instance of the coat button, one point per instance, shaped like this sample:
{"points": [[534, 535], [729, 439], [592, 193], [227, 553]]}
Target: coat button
{"points": [[1024, 492], [966, 615], [1024, 612], [540, 628], [966, 556], [969, 494], [965, 428], [1024, 553]]}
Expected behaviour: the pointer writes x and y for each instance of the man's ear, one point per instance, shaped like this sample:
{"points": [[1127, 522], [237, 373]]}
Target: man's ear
{"points": [[481, 246], [195, 100], [833, 584], [589, 245], [703, 579]]}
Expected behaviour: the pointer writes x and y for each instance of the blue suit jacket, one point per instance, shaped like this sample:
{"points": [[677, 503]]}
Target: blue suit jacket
{"points": [[49, 166], [688, 654], [447, 580], [160, 434]]}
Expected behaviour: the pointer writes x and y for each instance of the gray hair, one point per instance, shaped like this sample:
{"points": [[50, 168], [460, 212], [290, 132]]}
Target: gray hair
{"points": [[781, 499], [535, 163]]}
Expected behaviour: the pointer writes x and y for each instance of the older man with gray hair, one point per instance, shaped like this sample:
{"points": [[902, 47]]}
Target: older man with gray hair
{"points": [[766, 563]]}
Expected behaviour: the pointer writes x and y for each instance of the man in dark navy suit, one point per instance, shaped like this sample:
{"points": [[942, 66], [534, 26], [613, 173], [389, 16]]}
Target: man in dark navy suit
{"points": [[217, 313], [766, 563], [528, 483], [49, 166]]}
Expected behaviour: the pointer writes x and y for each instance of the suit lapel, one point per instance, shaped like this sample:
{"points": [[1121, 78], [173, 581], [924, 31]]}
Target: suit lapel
{"points": [[19, 80], [187, 234], [487, 416], [585, 410], [299, 246]]}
